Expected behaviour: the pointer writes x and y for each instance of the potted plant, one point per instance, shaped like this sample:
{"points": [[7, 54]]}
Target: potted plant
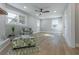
{"points": [[13, 29]]}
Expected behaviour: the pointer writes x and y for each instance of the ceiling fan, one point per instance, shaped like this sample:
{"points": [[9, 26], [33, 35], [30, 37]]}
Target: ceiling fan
{"points": [[42, 11]]}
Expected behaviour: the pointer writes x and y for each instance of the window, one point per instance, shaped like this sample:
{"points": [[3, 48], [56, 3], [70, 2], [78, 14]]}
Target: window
{"points": [[12, 17], [21, 19], [9, 20], [54, 23], [38, 23]]}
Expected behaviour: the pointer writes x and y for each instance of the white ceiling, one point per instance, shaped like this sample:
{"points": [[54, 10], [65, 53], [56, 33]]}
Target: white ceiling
{"points": [[31, 7]]}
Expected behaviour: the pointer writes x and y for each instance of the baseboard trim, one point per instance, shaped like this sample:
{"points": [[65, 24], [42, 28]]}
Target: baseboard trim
{"points": [[77, 44]]}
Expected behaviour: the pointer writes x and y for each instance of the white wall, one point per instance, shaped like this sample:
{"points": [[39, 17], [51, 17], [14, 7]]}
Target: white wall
{"points": [[17, 12], [77, 24], [2, 26], [18, 27], [58, 23], [32, 23], [69, 20], [46, 25], [3, 19]]}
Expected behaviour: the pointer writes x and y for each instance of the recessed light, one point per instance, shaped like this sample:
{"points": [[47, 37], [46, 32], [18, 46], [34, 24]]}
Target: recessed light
{"points": [[55, 11], [25, 7]]}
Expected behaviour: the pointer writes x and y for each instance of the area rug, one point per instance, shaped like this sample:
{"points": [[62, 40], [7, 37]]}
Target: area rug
{"points": [[24, 51]]}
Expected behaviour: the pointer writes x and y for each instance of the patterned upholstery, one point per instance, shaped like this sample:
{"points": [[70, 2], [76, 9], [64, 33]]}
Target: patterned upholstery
{"points": [[21, 42]]}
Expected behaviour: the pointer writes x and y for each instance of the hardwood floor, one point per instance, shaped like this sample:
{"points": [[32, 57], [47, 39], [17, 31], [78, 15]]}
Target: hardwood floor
{"points": [[53, 44]]}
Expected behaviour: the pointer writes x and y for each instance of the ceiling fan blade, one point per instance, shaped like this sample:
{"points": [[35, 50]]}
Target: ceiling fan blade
{"points": [[37, 10], [45, 11]]}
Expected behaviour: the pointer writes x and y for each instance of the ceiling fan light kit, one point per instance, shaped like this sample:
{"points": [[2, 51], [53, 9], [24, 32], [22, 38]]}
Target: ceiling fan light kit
{"points": [[41, 11]]}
